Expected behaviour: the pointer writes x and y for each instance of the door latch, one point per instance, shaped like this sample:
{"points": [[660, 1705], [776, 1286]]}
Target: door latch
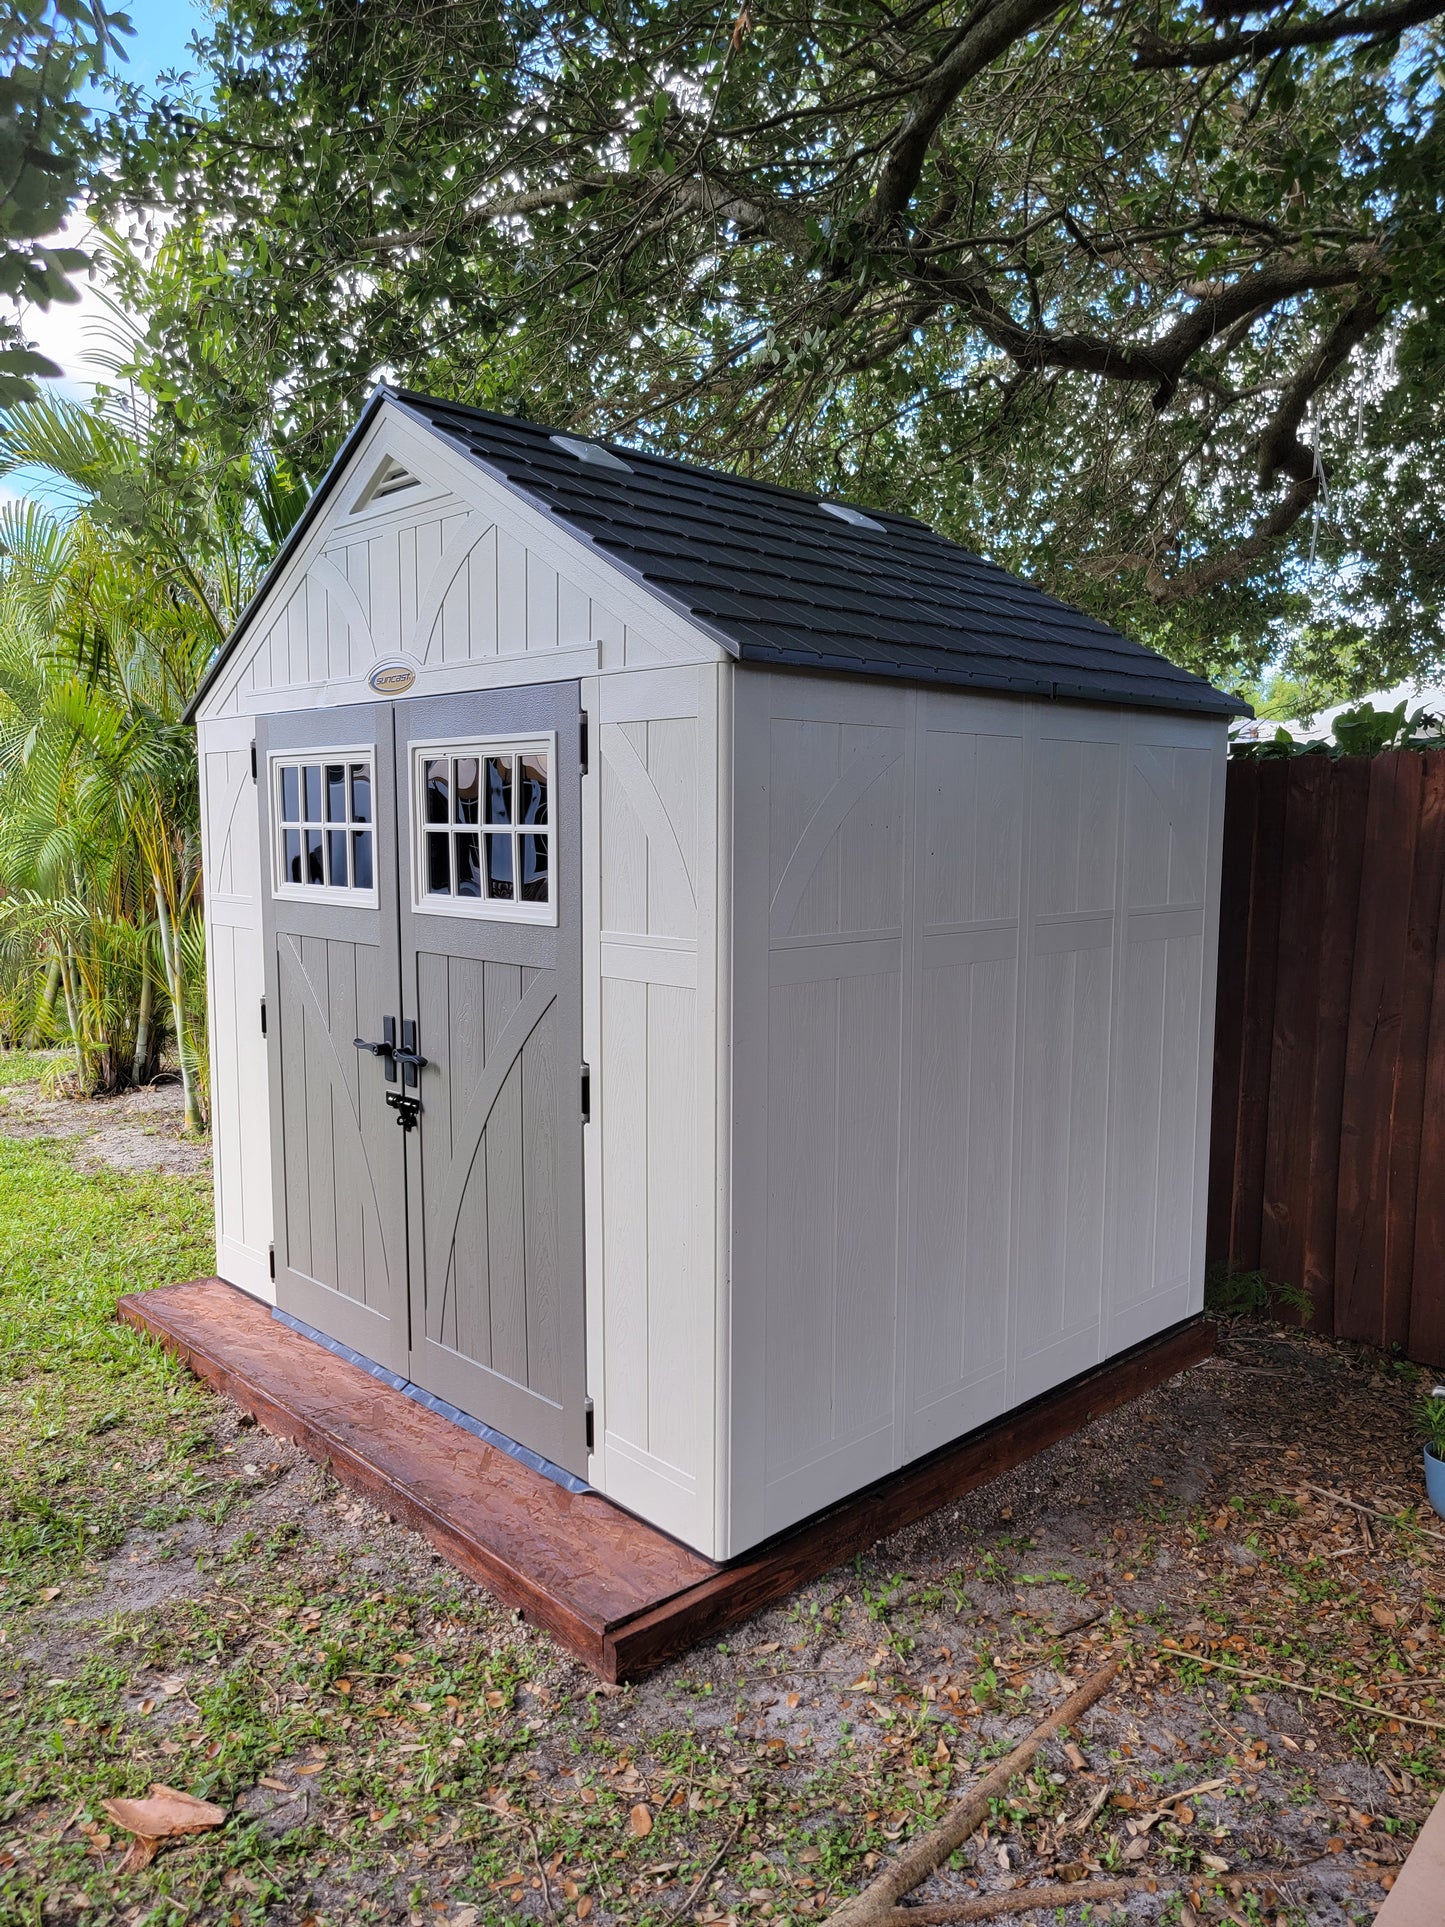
{"points": [[408, 1109]]}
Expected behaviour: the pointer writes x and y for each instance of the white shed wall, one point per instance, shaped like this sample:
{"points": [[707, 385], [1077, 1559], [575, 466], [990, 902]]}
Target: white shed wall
{"points": [[235, 985], [973, 953], [651, 968]]}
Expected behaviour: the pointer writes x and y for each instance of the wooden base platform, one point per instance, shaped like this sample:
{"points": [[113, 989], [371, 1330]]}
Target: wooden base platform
{"points": [[618, 1593]]}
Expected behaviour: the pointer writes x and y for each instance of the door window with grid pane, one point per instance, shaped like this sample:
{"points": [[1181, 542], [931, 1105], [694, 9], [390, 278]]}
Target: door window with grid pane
{"points": [[324, 835], [484, 829]]}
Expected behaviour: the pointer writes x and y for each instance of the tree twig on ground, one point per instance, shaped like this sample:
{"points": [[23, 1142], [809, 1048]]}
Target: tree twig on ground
{"points": [[1374, 1512], [1073, 1893], [1305, 1687], [542, 1874], [877, 1905], [707, 1873]]}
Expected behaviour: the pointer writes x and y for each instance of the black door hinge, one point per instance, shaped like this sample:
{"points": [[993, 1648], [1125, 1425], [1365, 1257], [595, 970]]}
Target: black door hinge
{"points": [[271, 1259], [591, 1428], [263, 1016], [582, 745], [586, 1093], [253, 759]]}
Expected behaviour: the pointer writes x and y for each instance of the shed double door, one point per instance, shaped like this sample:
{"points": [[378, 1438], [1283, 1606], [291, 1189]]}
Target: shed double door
{"points": [[424, 1002]]}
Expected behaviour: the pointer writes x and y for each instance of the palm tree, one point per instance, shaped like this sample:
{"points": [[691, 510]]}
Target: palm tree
{"points": [[108, 617]]}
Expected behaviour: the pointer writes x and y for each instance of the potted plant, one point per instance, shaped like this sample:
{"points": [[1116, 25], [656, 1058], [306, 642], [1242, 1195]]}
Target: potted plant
{"points": [[1432, 1430]]}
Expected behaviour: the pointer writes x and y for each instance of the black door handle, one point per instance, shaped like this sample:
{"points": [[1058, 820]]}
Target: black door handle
{"points": [[411, 1061], [386, 1049]]}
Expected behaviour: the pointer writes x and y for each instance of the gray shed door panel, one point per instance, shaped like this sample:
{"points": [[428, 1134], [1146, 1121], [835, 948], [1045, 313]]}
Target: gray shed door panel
{"points": [[451, 1252], [496, 1260], [338, 1160]]}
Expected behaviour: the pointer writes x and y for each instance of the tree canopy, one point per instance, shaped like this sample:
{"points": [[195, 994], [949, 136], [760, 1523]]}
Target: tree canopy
{"points": [[1144, 300], [49, 51]]}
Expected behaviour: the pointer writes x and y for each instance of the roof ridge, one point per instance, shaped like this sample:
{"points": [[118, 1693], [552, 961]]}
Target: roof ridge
{"points": [[413, 397]]}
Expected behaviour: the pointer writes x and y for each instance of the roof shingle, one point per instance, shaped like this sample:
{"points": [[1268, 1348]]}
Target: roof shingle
{"points": [[776, 580]]}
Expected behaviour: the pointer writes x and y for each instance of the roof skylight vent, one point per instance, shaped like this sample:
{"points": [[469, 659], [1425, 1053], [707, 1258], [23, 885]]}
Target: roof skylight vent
{"points": [[854, 516], [390, 479], [590, 453]]}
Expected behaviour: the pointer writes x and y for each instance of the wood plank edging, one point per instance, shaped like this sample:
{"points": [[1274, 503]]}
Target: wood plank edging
{"points": [[631, 1647], [581, 1636], [900, 1499]]}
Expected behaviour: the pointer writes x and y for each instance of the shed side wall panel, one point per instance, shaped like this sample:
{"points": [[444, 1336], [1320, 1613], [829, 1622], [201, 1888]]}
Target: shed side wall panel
{"points": [[972, 954], [236, 982], [651, 966]]}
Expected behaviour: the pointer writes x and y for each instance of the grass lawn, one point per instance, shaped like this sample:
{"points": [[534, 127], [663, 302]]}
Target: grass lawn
{"points": [[185, 1600]]}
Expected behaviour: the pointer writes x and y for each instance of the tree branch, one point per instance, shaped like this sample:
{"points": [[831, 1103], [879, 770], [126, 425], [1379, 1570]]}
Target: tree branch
{"points": [[1280, 449], [1163, 362], [1281, 452], [536, 200], [1378, 25], [1253, 293], [993, 27]]}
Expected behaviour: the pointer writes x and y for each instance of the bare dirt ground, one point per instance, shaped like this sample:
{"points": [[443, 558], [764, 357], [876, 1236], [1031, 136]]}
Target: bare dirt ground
{"points": [[138, 1131], [1250, 1542]]}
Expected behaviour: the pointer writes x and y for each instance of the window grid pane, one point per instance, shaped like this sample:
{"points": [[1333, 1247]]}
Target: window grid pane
{"points": [[488, 801], [317, 806]]}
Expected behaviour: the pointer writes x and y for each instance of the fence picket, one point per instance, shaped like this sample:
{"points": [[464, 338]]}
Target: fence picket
{"points": [[1328, 1132], [1259, 1015]]}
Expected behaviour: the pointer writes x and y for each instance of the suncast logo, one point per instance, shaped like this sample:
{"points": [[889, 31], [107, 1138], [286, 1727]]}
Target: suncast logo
{"points": [[392, 678]]}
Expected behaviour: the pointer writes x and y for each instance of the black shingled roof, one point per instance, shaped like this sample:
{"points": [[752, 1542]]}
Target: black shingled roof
{"points": [[776, 579]]}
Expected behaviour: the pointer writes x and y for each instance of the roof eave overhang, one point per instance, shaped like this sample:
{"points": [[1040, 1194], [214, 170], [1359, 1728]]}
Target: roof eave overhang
{"points": [[1221, 709]]}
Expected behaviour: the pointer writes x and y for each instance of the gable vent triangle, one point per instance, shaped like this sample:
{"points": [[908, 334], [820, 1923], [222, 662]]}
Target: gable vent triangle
{"points": [[389, 479]]}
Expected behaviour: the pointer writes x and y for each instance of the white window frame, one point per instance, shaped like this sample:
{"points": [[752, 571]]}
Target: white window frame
{"points": [[321, 893], [489, 909]]}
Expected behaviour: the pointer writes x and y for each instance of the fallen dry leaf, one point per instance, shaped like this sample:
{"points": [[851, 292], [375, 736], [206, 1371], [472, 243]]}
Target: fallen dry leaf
{"points": [[163, 1815], [641, 1818]]}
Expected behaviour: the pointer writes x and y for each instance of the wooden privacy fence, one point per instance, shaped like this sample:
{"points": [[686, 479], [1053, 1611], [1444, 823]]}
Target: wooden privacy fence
{"points": [[1327, 1154]]}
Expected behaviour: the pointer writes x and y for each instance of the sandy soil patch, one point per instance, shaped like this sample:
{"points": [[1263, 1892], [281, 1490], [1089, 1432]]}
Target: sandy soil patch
{"points": [[137, 1131]]}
